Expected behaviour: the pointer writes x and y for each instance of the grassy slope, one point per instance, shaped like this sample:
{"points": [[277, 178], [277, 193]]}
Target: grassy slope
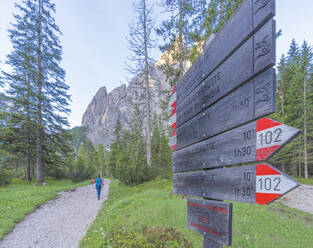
{"points": [[129, 210], [21, 198]]}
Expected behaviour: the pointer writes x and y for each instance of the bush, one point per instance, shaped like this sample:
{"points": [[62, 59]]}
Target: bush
{"points": [[153, 237], [81, 170], [131, 171], [5, 177]]}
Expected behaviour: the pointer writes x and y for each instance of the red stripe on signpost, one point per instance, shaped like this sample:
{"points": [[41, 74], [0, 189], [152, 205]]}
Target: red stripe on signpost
{"points": [[265, 198], [174, 90], [265, 170], [266, 123], [264, 153], [173, 147], [174, 132], [174, 112]]}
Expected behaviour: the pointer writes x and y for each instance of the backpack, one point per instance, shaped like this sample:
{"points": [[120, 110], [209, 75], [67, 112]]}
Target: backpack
{"points": [[98, 182]]}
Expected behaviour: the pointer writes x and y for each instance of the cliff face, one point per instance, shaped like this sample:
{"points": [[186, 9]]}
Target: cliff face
{"points": [[106, 108]]}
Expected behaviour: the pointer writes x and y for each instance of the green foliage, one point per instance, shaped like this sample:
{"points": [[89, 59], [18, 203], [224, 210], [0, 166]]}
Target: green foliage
{"points": [[36, 92], [5, 177], [131, 215], [127, 157], [295, 107], [161, 151], [83, 167], [79, 136], [156, 237], [21, 198]]}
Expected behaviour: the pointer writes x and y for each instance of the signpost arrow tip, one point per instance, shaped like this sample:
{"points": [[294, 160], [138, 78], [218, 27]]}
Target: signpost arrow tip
{"points": [[271, 184]]}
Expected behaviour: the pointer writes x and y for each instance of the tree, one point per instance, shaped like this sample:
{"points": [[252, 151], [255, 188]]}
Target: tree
{"points": [[175, 31], [295, 98], [161, 151], [140, 44], [38, 76]]}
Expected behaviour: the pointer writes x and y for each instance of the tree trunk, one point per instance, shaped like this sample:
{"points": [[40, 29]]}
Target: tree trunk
{"points": [[148, 121], [299, 166], [28, 170], [222, 16], [180, 41], [39, 162], [305, 155]]}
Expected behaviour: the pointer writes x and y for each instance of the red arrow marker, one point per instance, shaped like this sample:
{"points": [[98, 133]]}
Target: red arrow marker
{"points": [[271, 184], [271, 135], [172, 121], [260, 184]]}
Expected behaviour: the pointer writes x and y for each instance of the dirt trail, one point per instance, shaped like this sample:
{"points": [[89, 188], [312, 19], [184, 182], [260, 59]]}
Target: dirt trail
{"points": [[59, 223], [300, 198]]}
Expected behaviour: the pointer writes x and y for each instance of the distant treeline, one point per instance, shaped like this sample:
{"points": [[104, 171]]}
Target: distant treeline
{"points": [[295, 108]]}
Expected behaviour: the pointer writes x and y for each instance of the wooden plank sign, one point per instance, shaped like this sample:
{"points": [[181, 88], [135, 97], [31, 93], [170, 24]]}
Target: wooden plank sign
{"points": [[251, 101], [255, 141], [209, 243], [259, 184], [251, 15], [213, 219], [242, 65]]}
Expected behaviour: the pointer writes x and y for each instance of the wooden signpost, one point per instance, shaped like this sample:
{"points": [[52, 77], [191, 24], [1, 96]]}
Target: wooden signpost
{"points": [[244, 23], [217, 107], [260, 184], [253, 100], [213, 219], [255, 141], [237, 69]]}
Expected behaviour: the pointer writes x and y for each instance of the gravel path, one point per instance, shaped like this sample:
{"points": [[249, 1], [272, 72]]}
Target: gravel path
{"points": [[59, 223], [300, 198]]}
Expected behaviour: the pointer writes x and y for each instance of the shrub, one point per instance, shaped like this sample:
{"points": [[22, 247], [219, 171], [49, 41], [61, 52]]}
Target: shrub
{"points": [[5, 177], [153, 237]]}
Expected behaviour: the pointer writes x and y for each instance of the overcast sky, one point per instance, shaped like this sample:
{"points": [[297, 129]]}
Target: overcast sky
{"points": [[95, 48]]}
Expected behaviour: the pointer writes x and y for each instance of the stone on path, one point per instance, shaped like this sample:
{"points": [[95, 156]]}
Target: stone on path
{"points": [[59, 223]]}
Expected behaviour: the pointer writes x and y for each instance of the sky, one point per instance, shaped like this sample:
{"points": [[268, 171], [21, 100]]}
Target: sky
{"points": [[95, 47]]}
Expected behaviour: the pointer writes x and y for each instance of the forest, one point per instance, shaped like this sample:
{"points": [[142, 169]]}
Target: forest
{"points": [[35, 138]]}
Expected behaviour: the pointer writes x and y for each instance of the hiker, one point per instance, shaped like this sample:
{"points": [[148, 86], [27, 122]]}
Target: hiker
{"points": [[99, 184]]}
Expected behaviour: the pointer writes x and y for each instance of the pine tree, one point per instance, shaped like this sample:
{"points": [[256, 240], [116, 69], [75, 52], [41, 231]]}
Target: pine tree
{"points": [[295, 99], [37, 81], [140, 45]]}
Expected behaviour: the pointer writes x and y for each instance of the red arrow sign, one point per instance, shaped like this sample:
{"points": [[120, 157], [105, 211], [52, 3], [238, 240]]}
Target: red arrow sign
{"points": [[259, 184], [252, 142], [271, 184], [271, 135]]}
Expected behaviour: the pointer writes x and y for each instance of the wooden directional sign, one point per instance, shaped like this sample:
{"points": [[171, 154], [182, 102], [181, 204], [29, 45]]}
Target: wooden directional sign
{"points": [[251, 15], [259, 184], [213, 219], [251, 101], [209, 243], [255, 55], [252, 142]]}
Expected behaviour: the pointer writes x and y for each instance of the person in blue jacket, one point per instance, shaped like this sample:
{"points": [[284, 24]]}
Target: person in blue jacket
{"points": [[99, 184]]}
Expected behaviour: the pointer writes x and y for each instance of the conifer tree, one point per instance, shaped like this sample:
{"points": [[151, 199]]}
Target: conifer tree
{"points": [[37, 80], [140, 45]]}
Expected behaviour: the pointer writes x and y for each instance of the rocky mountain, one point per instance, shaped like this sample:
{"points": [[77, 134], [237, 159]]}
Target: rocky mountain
{"points": [[107, 107]]}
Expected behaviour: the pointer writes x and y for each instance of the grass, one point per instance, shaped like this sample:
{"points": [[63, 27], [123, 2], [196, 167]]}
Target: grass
{"points": [[148, 215], [308, 181], [20, 198]]}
